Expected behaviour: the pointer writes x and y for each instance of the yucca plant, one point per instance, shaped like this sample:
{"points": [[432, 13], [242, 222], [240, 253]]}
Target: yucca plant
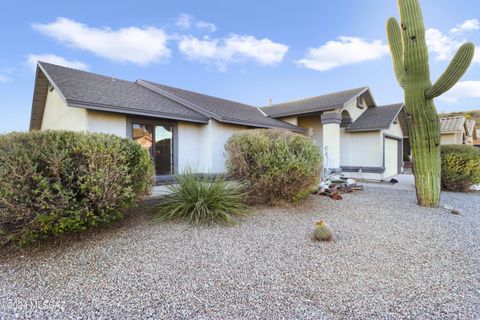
{"points": [[200, 200]]}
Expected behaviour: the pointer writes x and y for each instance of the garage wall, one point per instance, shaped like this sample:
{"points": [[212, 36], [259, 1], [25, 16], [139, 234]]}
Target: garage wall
{"points": [[364, 149]]}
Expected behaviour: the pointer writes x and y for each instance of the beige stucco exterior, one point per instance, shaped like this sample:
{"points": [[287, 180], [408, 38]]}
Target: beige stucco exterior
{"points": [[447, 138], [58, 116], [201, 147]]}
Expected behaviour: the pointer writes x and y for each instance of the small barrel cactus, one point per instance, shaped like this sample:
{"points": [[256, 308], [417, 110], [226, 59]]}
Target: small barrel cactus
{"points": [[322, 231]]}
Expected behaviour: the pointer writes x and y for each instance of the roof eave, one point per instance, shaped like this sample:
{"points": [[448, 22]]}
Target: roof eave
{"points": [[129, 111]]}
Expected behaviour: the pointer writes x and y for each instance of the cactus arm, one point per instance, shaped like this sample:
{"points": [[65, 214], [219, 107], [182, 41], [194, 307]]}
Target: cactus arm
{"points": [[456, 69], [396, 48]]}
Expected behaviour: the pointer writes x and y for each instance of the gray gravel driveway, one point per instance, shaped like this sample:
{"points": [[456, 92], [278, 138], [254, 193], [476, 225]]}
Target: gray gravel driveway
{"points": [[390, 260]]}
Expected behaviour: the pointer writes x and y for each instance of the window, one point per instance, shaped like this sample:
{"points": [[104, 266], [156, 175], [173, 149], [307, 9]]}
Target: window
{"points": [[158, 140], [360, 103]]}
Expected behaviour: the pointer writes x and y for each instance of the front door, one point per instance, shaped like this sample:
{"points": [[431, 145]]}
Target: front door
{"points": [[158, 139]]}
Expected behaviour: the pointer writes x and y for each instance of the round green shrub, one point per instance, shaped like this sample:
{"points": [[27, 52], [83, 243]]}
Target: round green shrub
{"points": [[54, 182], [460, 167], [322, 231], [277, 165]]}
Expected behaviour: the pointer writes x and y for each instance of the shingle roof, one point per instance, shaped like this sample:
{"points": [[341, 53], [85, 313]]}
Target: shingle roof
{"points": [[376, 118], [314, 104], [95, 91], [220, 109], [452, 124], [470, 124]]}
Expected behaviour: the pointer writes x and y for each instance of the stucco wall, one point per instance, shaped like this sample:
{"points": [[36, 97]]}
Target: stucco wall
{"points": [[314, 125], [450, 138], [363, 149], [107, 122], [291, 120], [201, 147], [395, 130], [58, 116], [353, 110]]}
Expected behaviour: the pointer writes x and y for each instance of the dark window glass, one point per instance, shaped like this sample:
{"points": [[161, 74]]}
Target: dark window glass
{"points": [[163, 150], [158, 140], [143, 134]]}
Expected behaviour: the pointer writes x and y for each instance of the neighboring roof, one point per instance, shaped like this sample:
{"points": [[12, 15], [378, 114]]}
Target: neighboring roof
{"points": [[452, 124], [315, 104], [220, 109], [471, 124], [376, 118], [92, 91]]}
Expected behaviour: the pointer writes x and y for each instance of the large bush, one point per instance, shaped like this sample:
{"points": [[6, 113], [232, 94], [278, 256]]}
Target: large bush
{"points": [[278, 165], [460, 167], [53, 182], [202, 200]]}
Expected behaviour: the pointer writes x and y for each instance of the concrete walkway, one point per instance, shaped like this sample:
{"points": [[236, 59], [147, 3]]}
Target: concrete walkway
{"points": [[159, 191], [405, 182]]}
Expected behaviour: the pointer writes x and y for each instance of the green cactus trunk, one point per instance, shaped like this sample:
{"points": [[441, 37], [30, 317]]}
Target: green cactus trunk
{"points": [[410, 60]]}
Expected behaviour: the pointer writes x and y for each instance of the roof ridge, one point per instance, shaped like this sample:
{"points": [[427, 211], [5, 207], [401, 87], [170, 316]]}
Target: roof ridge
{"points": [[317, 96]]}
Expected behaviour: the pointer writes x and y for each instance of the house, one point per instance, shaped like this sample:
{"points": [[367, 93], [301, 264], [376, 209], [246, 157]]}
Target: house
{"points": [[457, 130], [184, 129]]}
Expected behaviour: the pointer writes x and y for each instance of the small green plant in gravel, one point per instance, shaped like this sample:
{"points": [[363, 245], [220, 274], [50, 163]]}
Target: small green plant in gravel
{"points": [[200, 200], [322, 231], [460, 167]]}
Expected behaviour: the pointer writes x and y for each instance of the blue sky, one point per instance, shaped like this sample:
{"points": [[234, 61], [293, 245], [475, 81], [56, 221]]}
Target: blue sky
{"points": [[249, 51]]}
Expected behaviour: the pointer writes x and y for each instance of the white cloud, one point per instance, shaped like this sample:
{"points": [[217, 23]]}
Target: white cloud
{"points": [[461, 91], [468, 25], [232, 49], [445, 45], [184, 21], [32, 60], [4, 78], [206, 25], [132, 44], [442, 45], [344, 51]]}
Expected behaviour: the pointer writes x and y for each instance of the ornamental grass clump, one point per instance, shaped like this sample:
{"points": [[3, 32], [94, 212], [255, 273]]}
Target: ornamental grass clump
{"points": [[56, 182], [200, 200], [278, 166], [460, 167]]}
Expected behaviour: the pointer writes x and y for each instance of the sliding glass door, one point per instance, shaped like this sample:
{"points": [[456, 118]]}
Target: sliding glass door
{"points": [[158, 139]]}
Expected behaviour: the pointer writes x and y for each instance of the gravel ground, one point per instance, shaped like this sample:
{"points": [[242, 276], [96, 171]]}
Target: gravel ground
{"points": [[390, 259]]}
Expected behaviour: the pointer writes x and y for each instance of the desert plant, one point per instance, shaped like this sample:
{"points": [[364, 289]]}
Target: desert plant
{"points": [[460, 167], [410, 60], [277, 165], [322, 231], [54, 182], [198, 199]]}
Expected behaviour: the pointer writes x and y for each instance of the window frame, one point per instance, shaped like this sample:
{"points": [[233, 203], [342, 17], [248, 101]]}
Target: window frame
{"points": [[157, 122]]}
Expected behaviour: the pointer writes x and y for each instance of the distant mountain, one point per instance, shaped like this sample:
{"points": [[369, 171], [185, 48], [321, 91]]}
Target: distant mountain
{"points": [[469, 115]]}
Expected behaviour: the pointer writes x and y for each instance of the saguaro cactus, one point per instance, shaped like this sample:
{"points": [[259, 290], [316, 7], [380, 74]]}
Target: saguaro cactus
{"points": [[410, 60]]}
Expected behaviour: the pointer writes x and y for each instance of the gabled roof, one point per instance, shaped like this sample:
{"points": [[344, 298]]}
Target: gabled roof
{"points": [[452, 124], [220, 109], [97, 92], [315, 104], [376, 118]]}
